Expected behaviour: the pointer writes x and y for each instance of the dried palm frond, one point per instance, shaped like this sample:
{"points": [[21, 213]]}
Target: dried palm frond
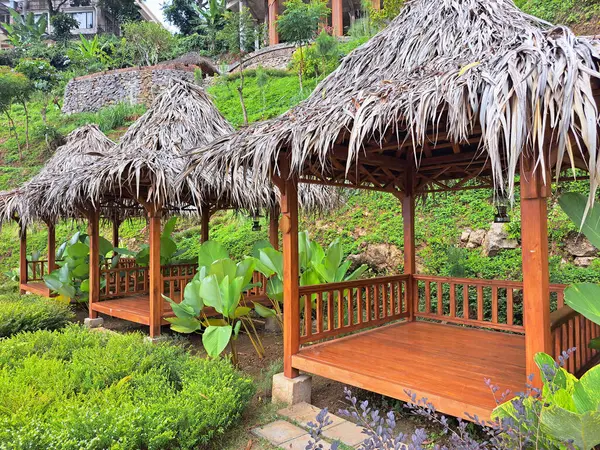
{"points": [[450, 65]]}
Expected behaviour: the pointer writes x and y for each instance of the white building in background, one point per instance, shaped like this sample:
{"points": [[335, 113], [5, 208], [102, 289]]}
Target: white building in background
{"points": [[92, 19]]}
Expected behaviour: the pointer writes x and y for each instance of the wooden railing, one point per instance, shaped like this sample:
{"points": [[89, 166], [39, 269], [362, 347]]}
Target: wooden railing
{"points": [[175, 277], [495, 304], [328, 310], [124, 281], [36, 270], [570, 329], [261, 289]]}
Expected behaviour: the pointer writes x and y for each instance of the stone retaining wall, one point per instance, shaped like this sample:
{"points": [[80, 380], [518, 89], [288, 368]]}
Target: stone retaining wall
{"points": [[132, 85], [273, 57]]}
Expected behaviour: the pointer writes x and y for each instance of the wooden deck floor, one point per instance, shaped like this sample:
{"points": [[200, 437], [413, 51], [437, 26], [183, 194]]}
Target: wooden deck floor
{"points": [[446, 364], [36, 287], [134, 309]]}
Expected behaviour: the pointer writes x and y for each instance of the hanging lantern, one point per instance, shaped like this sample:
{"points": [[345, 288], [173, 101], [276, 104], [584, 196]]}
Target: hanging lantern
{"points": [[256, 224], [501, 215]]}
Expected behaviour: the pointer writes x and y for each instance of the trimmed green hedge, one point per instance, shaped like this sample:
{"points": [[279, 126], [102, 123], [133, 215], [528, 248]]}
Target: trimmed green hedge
{"points": [[31, 313], [74, 389]]}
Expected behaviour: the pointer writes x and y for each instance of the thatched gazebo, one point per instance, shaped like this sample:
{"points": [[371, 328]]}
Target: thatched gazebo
{"points": [[144, 172], [453, 94], [34, 201]]}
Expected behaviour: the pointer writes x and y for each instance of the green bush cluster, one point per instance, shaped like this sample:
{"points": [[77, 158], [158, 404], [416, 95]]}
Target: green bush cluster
{"points": [[76, 389], [31, 313]]}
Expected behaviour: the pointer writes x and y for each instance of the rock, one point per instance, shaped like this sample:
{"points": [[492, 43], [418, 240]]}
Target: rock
{"points": [[381, 258], [464, 237], [476, 238], [578, 245], [497, 239], [583, 261]]}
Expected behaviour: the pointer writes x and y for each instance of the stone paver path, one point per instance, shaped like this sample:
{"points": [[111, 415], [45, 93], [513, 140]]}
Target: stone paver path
{"points": [[292, 433]]}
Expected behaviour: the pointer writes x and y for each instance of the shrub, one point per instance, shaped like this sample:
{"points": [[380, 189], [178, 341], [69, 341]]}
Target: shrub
{"points": [[31, 313], [75, 389]]}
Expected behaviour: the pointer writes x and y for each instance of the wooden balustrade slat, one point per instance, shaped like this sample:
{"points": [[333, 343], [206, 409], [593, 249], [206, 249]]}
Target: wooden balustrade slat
{"points": [[466, 301], [378, 311], [495, 304], [452, 300], [509, 306], [319, 312], [308, 314], [480, 303], [440, 298]]}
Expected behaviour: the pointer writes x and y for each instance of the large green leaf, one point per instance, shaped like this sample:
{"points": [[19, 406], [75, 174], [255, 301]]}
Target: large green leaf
{"points": [[215, 339], [81, 271], [66, 290], [169, 227], [211, 251], [582, 429], [223, 268], [211, 293], [64, 274], [304, 249], [245, 270], [263, 311], [575, 205], [104, 246], [258, 246], [585, 299], [192, 297], [78, 250], [168, 247], [184, 324], [586, 394], [334, 255], [594, 343], [275, 289], [85, 285], [272, 260], [52, 281], [357, 273]]}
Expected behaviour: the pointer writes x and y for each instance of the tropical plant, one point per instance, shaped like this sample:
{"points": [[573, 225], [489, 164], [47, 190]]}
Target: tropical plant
{"points": [[584, 297], [299, 23], [169, 253], [148, 42], [219, 284], [25, 30], [15, 88], [62, 25], [211, 21], [71, 279], [183, 14], [565, 411], [317, 266]]}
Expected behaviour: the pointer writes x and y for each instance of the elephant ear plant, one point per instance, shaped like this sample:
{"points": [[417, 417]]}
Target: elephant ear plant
{"points": [[212, 302], [317, 266], [71, 279], [584, 297]]}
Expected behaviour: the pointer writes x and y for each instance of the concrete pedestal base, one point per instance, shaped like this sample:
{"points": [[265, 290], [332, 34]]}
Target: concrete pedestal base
{"points": [[291, 390], [93, 323]]}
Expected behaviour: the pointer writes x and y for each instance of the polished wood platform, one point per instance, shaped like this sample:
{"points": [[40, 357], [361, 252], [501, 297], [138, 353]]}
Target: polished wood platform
{"points": [[447, 364], [36, 287], [134, 309]]}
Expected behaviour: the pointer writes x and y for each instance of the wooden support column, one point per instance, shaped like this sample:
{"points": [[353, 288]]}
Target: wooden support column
{"points": [[94, 236], [51, 247], [22, 255], [376, 4], [273, 13], [337, 17], [534, 244], [116, 223], [205, 223], [274, 227], [408, 222], [291, 271], [155, 278]]}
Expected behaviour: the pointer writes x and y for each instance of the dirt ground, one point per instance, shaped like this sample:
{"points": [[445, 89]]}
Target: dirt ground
{"points": [[325, 393]]}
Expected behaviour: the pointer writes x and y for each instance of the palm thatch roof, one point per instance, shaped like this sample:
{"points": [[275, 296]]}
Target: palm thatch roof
{"points": [[147, 164], [37, 198], [457, 88]]}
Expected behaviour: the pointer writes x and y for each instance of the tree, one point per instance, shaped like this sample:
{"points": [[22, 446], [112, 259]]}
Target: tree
{"points": [[211, 22], [62, 24], [121, 10], [184, 14], [44, 78], [239, 32], [25, 30], [300, 22], [14, 88], [326, 47], [147, 41]]}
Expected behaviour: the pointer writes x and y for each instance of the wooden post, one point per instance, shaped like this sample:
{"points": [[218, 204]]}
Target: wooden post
{"points": [[534, 244], [337, 17], [116, 223], [291, 271], [94, 236], [408, 222], [22, 255], [274, 227], [376, 4], [273, 13], [205, 223], [154, 271], [51, 247]]}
